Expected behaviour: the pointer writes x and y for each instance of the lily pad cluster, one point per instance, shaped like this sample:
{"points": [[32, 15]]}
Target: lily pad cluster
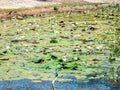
{"points": [[57, 42]]}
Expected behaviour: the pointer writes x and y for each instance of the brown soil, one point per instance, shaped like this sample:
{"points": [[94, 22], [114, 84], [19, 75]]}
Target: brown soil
{"points": [[41, 11]]}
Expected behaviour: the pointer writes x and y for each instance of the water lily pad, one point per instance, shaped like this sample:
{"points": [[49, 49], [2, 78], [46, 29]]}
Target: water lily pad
{"points": [[38, 60], [54, 41]]}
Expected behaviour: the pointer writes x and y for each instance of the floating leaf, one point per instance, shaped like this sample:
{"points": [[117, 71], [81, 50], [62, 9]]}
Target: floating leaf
{"points": [[54, 41], [38, 60]]}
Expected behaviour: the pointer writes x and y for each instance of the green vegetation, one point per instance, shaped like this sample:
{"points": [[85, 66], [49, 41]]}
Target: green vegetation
{"points": [[81, 43]]}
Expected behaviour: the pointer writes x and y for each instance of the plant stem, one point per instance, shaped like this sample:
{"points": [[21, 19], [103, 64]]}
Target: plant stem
{"points": [[53, 82]]}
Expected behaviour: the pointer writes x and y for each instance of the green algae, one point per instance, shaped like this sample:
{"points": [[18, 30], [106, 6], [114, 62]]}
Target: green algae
{"points": [[75, 45]]}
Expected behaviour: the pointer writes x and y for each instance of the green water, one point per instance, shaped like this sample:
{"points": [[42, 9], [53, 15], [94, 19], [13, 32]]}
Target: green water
{"points": [[75, 44]]}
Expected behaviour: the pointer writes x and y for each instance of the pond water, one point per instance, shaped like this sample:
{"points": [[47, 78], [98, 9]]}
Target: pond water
{"points": [[25, 84], [76, 44]]}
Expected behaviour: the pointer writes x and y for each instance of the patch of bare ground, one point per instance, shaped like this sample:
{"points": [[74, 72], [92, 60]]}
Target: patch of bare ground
{"points": [[40, 11], [15, 4]]}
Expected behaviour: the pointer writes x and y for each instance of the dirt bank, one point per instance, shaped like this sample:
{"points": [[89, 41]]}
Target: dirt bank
{"points": [[39, 12], [12, 5]]}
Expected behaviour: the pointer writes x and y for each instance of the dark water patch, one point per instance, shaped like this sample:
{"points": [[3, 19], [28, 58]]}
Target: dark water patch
{"points": [[25, 84]]}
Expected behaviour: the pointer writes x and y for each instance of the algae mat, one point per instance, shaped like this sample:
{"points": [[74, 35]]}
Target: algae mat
{"points": [[74, 44]]}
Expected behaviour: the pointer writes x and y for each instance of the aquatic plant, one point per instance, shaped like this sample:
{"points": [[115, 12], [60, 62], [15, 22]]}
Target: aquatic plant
{"points": [[115, 46]]}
